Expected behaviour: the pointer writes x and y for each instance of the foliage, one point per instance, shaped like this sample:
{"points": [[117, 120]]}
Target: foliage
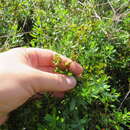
{"points": [[94, 33]]}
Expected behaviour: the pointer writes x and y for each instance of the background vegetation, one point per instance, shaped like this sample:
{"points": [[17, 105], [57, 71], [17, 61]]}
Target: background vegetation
{"points": [[94, 33]]}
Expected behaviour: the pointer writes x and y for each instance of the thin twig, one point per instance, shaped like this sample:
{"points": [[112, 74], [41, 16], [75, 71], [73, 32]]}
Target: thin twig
{"points": [[112, 7], [80, 3], [122, 6], [5, 36], [120, 16], [96, 15], [104, 3], [24, 22], [127, 94]]}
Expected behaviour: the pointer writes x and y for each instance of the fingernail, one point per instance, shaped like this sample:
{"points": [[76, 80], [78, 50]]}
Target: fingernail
{"points": [[71, 81]]}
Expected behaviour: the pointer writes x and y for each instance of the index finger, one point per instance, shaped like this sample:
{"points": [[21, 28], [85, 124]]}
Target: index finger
{"points": [[70, 65], [45, 57]]}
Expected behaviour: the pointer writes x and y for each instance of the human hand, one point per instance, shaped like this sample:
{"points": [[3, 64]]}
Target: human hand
{"points": [[24, 72]]}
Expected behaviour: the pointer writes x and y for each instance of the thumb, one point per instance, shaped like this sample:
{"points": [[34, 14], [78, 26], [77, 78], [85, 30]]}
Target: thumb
{"points": [[44, 81]]}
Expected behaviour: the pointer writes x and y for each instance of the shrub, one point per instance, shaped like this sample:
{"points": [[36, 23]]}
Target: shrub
{"points": [[94, 33]]}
